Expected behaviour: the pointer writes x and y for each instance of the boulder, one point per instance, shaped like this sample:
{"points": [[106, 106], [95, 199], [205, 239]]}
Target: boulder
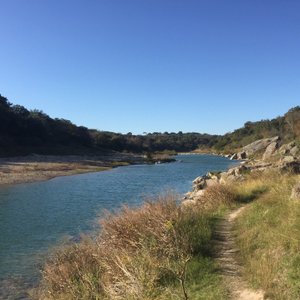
{"points": [[241, 168], [259, 145], [296, 192], [210, 175], [231, 175], [198, 194], [187, 195], [231, 171], [197, 180], [286, 148], [211, 182], [288, 159], [234, 156], [199, 183], [242, 155], [289, 164], [260, 167], [294, 151], [270, 150]]}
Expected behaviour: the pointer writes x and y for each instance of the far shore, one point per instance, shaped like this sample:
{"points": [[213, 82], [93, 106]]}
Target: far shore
{"points": [[32, 168]]}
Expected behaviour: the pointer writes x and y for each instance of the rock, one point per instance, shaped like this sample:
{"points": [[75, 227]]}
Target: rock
{"points": [[243, 167], [285, 149], [211, 182], [270, 150], [231, 175], [197, 180], [260, 167], [198, 194], [234, 156], [259, 145], [210, 175], [289, 164], [200, 185], [191, 198], [223, 175], [290, 149], [288, 159], [230, 171], [188, 195], [223, 180], [202, 182], [242, 155], [294, 151], [296, 192]]}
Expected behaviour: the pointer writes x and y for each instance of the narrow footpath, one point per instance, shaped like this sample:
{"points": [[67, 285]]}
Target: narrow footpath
{"points": [[225, 252]]}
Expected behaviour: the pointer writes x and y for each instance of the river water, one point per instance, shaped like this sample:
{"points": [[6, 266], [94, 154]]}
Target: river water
{"points": [[36, 216]]}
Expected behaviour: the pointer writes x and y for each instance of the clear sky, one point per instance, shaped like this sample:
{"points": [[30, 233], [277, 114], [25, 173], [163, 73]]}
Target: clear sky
{"points": [[152, 65]]}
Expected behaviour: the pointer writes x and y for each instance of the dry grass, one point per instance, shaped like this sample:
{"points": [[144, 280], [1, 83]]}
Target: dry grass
{"points": [[156, 251], [217, 196]]}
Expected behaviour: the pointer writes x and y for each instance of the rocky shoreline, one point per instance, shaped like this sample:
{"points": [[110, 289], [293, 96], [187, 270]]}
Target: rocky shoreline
{"points": [[262, 155]]}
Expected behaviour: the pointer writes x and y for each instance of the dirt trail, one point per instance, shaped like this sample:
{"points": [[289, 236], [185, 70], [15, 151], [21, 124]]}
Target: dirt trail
{"points": [[225, 251]]}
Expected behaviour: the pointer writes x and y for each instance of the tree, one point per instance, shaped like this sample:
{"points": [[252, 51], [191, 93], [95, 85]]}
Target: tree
{"points": [[20, 110], [292, 118]]}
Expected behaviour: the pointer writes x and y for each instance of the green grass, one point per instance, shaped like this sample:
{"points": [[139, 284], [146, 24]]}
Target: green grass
{"points": [[269, 236], [204, 282]]}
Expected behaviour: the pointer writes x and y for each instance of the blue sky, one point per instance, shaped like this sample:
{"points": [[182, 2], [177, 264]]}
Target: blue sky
{"points": [[152, 65]]}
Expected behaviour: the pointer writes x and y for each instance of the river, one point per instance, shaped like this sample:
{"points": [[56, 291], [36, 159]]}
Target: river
{"points": [[36, 216]]}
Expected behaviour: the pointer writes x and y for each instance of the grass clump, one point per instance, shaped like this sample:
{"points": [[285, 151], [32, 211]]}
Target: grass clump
{"points": [[157, 251], [268, 235]]}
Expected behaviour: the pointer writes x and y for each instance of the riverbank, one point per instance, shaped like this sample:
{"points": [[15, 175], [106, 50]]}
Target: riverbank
{"points": [[64, 205], [198, 250], [32, 168]]}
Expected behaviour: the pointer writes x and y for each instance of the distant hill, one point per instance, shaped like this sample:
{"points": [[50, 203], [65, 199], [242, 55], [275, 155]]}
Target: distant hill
{"points": [[287, 127], [24, 131]]}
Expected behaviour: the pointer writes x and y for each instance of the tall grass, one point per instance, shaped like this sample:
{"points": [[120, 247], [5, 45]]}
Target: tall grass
{"points": [[268, 235], [156, 251]]}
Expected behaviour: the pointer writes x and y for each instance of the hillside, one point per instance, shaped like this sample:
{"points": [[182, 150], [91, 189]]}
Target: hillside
{"points": [[287, 127], [24, 132]]}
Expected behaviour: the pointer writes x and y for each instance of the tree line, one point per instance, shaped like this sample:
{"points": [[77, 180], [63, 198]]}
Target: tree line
{"points": [[24, 131]]}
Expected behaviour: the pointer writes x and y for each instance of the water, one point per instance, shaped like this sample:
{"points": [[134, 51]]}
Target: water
{"points": [[35, 216]]}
